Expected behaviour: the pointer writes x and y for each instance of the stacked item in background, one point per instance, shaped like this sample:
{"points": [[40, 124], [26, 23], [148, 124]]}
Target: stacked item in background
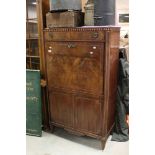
{"points": [[100, 12], [65, 13], [89, 13], [68, 13]]}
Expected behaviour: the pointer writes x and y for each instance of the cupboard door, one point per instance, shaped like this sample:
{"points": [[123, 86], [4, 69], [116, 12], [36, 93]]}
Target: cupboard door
{"points": [[88, 114], [61, 108]]}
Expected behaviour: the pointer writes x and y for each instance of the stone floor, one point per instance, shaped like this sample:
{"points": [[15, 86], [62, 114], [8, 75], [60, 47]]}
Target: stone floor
{"points": [[63, 143]]}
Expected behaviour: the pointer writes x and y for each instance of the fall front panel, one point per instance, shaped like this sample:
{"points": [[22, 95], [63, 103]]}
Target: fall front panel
{"points": [[75, 66]]}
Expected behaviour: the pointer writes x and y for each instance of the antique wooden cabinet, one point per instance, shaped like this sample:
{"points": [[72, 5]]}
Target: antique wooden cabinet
{"points": [[81, 66]]}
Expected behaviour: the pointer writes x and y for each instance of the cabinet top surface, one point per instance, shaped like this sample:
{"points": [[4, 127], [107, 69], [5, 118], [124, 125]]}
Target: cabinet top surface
{"points": [[85, 28]]}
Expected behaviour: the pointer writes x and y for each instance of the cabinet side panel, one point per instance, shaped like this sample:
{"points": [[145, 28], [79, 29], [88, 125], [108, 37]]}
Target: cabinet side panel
{"points": [[114, 59]]}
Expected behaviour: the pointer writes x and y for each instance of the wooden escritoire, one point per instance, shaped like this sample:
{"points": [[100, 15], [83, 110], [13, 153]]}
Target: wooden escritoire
{"points": [[82, 66]]}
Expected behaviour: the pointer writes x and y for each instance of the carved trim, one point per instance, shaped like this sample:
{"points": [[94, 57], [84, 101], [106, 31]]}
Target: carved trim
{"points": [[81, 29]]}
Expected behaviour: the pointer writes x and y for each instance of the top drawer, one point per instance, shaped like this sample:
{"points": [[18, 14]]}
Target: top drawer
{"points": [[87, 35], [56, 36], [74, 35]]}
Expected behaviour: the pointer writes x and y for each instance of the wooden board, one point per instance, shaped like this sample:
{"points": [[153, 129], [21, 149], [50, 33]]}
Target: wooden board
{"points": [[33, 103]]}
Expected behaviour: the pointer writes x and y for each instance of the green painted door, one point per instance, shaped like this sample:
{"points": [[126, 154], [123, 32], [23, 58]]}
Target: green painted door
{"points": [[33, 103]]}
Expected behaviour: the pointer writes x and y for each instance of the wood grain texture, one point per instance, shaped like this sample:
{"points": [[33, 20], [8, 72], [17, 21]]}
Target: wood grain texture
{"points": [[62, 104], [67, 67], [87, 114], [113, 71]]}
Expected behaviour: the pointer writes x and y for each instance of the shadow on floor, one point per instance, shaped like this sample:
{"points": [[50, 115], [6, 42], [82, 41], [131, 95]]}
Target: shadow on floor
{"points": [[83, 140]]}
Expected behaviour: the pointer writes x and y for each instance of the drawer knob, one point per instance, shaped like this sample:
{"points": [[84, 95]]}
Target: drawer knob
{"points": [[94, 47], [91, 53], [49, 51], [50, 47]]}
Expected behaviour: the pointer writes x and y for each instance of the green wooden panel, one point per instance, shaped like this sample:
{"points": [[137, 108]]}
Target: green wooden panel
{"points": [[33, 103]]}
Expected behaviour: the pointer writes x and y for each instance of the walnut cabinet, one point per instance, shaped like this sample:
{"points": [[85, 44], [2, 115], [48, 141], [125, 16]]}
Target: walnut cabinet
{"points": [[81, 68]]}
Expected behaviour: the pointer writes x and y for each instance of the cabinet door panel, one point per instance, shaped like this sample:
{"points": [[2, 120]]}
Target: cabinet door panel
{"points": [[88, 114], [61, 108]]}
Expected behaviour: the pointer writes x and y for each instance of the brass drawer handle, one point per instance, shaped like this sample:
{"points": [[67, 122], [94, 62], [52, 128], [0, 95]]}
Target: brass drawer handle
{"points": [[94, 35], [71, 45]]}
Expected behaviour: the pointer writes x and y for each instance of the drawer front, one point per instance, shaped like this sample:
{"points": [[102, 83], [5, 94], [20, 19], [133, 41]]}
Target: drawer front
{"points": [[74, 36], [87, 35], [74, 49], [56, 36], [75, 66]]}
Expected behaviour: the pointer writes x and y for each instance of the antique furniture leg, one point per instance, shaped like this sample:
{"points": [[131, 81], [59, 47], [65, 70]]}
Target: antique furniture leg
{"points": [[103, 142], [52, 128]]}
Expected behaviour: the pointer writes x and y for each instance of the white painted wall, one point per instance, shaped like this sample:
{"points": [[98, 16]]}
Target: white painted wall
{"points": [[122, 5]]}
